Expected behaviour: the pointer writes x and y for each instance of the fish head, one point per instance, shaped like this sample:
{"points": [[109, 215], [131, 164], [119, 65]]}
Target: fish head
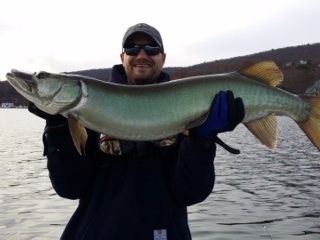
{"points": [[52, 93]]}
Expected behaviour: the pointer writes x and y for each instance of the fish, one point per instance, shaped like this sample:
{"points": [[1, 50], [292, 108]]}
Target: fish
{"points": [[157, 111]]}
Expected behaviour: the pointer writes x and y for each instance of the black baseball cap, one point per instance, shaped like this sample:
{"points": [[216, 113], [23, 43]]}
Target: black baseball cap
{"points": [[143, 28]]}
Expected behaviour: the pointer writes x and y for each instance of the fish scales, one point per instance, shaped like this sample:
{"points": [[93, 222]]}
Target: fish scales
{"points": [[153, 112]]}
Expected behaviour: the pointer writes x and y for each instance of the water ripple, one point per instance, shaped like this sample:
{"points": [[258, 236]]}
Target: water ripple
{"points": [[259, 194]]}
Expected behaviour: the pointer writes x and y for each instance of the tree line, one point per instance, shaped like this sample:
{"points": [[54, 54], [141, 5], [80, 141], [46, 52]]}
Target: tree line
{"points": [[300, 66]]}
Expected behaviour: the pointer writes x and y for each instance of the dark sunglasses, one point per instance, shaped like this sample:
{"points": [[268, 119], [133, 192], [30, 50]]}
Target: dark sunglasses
{"points": [[149, 50]]}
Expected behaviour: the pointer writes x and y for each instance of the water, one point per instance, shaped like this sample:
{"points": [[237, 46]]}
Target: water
{"points": [[259, 194]]}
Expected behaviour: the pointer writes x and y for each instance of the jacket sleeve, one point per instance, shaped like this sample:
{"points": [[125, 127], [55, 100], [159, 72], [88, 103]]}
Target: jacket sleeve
{"points": [[194, 176], [69, 172]]}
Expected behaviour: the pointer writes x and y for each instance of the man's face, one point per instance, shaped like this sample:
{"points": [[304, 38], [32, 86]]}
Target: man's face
{"points": [[142, 69]]}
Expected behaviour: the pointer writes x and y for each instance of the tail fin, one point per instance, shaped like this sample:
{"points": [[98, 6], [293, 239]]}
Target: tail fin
{"points": [[311, 127]]}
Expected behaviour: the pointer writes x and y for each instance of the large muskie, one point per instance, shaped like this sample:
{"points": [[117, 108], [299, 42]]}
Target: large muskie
{"points": [[152, 112]]}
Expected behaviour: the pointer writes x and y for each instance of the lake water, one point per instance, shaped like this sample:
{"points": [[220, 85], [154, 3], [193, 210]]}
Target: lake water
{"points": [[259, 194]]}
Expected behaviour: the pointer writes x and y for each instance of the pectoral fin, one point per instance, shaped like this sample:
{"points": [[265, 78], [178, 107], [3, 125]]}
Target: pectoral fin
{"points": [[265, 129], [197, 122], [78, 133]]}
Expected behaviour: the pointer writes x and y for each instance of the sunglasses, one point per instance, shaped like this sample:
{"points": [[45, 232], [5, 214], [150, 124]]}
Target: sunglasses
{"points": [[149, 50]]}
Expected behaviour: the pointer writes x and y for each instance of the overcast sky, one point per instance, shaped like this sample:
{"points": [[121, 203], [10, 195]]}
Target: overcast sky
{"points": [[72, 35]]}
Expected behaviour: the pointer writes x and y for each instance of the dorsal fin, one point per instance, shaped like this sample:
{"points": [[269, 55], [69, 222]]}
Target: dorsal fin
{"points": [[265, 129], [264, 71]]}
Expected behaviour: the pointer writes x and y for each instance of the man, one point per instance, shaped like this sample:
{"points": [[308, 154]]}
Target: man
{"points": [[137, 190]]}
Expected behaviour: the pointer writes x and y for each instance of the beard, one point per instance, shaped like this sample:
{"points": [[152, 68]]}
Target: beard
{"points": [[141, 78]]}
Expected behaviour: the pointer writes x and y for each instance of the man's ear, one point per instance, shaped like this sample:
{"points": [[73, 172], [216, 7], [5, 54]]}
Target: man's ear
{"points": [[122, 57], [164, 55]]}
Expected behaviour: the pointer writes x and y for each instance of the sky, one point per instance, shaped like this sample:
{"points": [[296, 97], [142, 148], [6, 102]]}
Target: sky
{"points": [[72, 35]]}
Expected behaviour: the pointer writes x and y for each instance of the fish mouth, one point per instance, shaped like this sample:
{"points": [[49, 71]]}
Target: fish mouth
{"points": [[25, 79]]}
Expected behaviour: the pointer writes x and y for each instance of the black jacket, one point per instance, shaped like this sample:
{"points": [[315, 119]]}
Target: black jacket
{"points": [[140, 194]]}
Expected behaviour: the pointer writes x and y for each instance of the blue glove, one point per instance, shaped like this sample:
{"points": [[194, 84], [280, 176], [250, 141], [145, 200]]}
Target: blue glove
{"points": [[225, 114]]}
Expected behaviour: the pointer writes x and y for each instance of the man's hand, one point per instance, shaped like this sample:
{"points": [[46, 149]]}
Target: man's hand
{"points": [[52, 120], [225, 114]]}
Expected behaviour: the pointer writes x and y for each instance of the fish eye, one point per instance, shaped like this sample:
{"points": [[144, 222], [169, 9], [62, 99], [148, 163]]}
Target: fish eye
{"points": [[41, 75]]}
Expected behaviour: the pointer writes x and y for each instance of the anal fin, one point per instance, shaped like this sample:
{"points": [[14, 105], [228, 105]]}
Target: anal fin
{"points": [[78, 133], [265, 129]]}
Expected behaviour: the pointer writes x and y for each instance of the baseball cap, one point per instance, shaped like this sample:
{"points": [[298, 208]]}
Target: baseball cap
{"points": [[143, 28]]}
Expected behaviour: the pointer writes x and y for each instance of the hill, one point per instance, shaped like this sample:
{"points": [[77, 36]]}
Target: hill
{"points": [[299, 64]]}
